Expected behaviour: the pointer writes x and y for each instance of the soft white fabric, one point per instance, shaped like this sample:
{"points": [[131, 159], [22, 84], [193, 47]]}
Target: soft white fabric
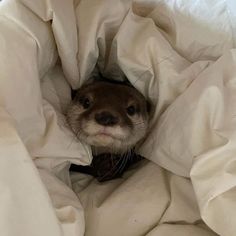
{"points": [[179, 54]]}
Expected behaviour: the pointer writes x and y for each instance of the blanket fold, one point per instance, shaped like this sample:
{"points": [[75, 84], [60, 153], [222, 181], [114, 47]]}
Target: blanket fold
{"points": [[180, 55]]}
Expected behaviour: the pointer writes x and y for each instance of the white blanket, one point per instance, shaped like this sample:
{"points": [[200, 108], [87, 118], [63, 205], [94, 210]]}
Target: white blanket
{"points": [[179, 54]]}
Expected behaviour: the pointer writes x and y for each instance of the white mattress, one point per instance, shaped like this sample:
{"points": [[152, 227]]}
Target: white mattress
{"points": [[180, 54]]}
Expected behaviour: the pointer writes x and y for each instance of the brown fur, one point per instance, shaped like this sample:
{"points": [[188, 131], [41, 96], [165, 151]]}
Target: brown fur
{"points": [[114, 99]]}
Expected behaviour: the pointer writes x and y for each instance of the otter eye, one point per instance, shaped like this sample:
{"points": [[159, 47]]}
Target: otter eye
{"points": [[84, 102], [131, 110]]}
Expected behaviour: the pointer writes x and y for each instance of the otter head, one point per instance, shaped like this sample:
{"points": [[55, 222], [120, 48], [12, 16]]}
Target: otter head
{"points": [[111, 116]]}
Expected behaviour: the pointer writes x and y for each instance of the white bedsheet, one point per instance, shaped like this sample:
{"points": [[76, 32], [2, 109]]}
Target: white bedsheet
{"points": [[180, 54]]}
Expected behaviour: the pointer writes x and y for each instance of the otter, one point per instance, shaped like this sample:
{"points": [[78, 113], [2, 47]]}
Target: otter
{"points": [[112, 117]]}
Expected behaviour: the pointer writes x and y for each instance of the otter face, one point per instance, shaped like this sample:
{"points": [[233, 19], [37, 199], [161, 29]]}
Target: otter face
{"points": [[111, 116]]}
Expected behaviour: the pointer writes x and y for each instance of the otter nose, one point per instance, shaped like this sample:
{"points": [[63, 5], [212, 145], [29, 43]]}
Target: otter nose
{"points": [[106, 118]]}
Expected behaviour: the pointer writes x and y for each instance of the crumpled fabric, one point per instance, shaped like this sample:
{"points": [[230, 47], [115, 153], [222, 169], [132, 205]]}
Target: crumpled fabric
{"points": [[180, 54]]}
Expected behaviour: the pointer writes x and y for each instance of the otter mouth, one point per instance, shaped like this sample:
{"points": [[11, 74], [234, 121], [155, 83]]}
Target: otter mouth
{"points": [[104, 138], [97, 131], [106, 135]]}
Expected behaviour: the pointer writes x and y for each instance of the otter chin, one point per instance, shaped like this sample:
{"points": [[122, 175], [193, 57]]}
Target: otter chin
{"points": [[110, 116]]}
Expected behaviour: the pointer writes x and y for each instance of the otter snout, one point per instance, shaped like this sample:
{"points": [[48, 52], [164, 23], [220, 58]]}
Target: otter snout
{"points": [[106, 118]]}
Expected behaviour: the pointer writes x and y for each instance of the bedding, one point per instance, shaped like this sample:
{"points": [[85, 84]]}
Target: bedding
{"points": [[180, 54]]}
